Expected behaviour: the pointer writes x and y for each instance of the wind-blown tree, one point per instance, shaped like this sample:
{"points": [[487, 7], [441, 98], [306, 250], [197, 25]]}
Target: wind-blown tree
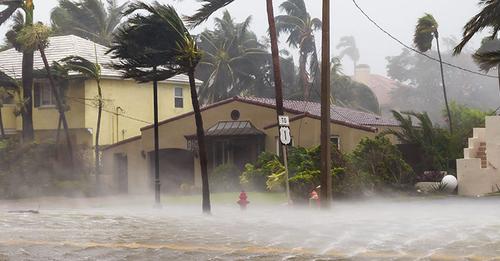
{"points": [[232, 60], [90, 70], [211, 6], [425, 32], [300, 28], [487, 56], [11, 6], [350, 49], [90, 19], [36, 37], [155, 37], [488, 17]]}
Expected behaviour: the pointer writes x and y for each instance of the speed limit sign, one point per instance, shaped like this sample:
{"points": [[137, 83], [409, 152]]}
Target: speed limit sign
{"points": [[285, 136]]}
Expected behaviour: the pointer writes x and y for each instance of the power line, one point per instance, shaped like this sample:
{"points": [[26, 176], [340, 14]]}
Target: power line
{"points": [[108, 111], [415, 50]]}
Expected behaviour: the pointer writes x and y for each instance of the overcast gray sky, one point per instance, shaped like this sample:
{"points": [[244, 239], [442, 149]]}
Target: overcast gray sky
{"points": [[396, 16]]}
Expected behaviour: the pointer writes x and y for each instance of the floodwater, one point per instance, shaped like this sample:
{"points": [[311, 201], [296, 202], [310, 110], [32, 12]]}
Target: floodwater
{"points": [[397, 229]]}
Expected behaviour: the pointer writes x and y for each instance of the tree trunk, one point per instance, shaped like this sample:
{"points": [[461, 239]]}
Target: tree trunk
{"points": [[28, 133], [27, 110], [444, 85], [58, 134], [97, 133], [498, 72], [157, 142], [60, 107], [200, 135], [278, 83], [2, 131], [326, 177], [303, 75]]}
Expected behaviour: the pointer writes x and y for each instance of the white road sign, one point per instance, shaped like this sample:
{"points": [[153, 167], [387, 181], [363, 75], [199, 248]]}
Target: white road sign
{"points": [[285, 136], [284, 121]]}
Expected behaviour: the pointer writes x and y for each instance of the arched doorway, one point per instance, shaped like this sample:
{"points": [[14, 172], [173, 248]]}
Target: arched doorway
{"points": [[176, 169]]}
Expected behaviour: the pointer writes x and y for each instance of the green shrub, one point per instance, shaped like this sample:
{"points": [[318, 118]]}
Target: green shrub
{"points": [[225, 178], [379, 162], [37, 169], [254, 177]]}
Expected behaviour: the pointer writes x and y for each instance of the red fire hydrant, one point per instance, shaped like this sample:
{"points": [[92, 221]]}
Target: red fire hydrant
{"points": [[243, 202], [314, 197]]}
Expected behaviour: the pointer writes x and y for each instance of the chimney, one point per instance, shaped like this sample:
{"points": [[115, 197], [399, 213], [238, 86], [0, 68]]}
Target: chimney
{"points": [[362, 73]]}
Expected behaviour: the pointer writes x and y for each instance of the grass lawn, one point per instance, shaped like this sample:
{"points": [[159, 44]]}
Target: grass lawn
{"points": [[260, 198]]}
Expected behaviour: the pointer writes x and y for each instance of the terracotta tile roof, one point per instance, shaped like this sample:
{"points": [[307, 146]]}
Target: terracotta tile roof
{"points": [[338, 114], [64, 46], [231, 128], [381, 87]]}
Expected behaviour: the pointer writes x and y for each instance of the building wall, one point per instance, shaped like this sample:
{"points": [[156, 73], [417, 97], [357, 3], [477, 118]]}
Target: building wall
{"points": [[136, 101], [8, 116], [139, 178], [306, 133]]}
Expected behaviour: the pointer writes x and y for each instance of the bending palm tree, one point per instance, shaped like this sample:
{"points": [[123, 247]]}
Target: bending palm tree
{"points": [[425, 32], [211, 6], [231, 60], [300, 27], [348, 43], [28, 56], [93, 71], [157, 38], [89, 19], [488, 56], [36, 37]]}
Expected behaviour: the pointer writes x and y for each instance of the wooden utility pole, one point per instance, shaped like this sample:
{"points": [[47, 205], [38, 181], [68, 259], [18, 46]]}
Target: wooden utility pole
{"points": [[326, 177]]}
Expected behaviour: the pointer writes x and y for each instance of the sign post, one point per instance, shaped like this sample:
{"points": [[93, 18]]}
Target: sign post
{"points": [[285, 140]]}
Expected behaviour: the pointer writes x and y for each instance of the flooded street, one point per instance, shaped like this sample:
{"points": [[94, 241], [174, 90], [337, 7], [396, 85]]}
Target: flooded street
{"points": [[409, 229]]}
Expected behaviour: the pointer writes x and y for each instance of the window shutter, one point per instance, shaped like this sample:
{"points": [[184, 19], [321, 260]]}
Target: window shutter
{"points": [[36, 96]]}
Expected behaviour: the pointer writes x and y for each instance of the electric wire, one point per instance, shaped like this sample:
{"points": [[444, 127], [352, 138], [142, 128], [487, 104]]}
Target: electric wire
{"points": [[415, 50]]}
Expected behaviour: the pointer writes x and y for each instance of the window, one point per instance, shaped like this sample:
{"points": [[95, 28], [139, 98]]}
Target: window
{"points": [[335, 140], [222, 153], [178, 97], [6, 98], [43, 94]]}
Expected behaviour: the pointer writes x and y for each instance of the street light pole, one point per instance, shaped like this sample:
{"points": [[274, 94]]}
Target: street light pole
{"points": [[326, 177]]}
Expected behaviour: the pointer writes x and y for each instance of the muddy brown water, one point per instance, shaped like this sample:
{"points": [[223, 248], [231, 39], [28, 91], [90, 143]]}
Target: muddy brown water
{"points": [[395, 229]]}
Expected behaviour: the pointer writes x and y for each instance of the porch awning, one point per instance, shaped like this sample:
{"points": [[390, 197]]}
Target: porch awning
{"points": [[231, 128]]}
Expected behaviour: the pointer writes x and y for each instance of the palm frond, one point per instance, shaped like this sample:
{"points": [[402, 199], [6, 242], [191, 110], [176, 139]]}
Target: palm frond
{"points": [[425, 31], [487, 17], [207, 9], [12, 6]]}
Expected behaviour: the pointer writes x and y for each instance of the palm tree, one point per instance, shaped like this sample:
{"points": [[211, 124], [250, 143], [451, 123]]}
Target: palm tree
{"points": [[36, 37], [488, 56], [28, 58], [425, 32], [157, 38], [488, 17], [300, 28], [232, 59], [89, 19], [211, 6], [349, 48], [93, 71]]}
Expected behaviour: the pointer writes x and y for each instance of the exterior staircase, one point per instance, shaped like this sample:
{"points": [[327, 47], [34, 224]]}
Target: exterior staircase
{"points": [[478, 172]]}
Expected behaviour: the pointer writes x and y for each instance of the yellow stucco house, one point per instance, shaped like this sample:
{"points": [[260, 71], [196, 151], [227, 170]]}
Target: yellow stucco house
{"points": [[237, 131], [127, 104]]}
